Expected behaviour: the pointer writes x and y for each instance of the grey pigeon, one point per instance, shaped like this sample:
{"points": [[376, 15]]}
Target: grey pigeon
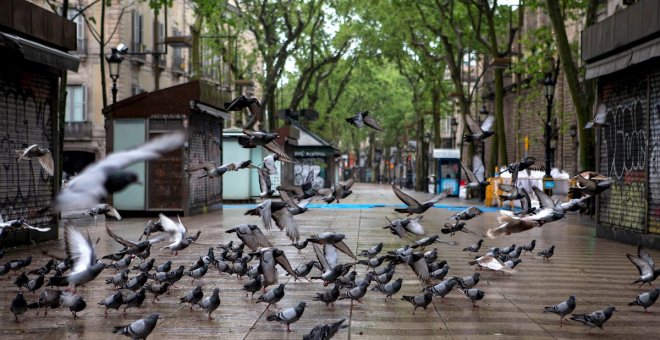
{"points": [[547, 253], [412, 205], [145, 266], [18, 306], [473, 294], [198, 273], [468, 281], [390, 288], [595, 319], [176, 232], [467, 214], [113, 301], [42, 154], [645, 265], [118, 279], [86, 266], [361, 119], [325, 331], [476, 176], [647, 299], [251, 235], [300, 245], [104, 209], [165, 267], [419, 300], [443, 288], [329, 297], [479, 132], [427, 241], [74, 302], [253, 286], [211, 303], [157, 289], [357, 293], [347, 280], [562, 309], [289, 315], [49, 298], [193, 297], [21, 280], [337, 240], [512, 263], [529, 247], [136, 282], [134, 300], [589, 182], [373, 251], [35, 283], [385, 277], [269, 258], [304, 269], [473, 248], [123, 263], [212, 170], [372, 262], [439, 274], [600, 117], [273, 296], [139, 329]]}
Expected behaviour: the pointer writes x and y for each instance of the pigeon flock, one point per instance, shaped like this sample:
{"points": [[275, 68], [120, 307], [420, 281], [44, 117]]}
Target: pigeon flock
{"points": [[249, 256]]}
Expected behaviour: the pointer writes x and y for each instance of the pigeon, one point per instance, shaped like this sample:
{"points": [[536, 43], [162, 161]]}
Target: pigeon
{"points": [[491, 263], [467, 214], [452, 228], [257, 137], [473, 294], [595, 319], [113, 301], [86, 266], [562, 309], [300, 245], [512, 192], [508, 249], [443, 288], [42, 154], [176, 232], [413, 206], [417, 263], [589, 182], [328, 195], [302, 192], [384, 278], [473, 248], [427, 241], [468, 281], [17, 224], [122, 264], [139, 329], [512, 263], [18, 306], [344, 189], [49, 298], [265, 184], [304, 269], [74, 302], [253, 286], [136, 282], [193, 297], [106, 176], [357, 293], [269, 257], [273, 296], [157, 289], [165, 267], [145, 266], [647, 299], [479, 133], [439, 274], [600, 118], [575, 204], [509, 223], [35, 283], [198, 273], [390, 288], [283, 218], [269, 164], [528, 164], [329, 272], [211, 303], [373, 251], [325, 331], [431, 255], [151, 227], [295, 208], [289, 315], [212, 170], [332, 239], [526, 207], [419, 300], [476, 176], [547, 253], [174, 276], [328, 297], [645, 266], [134, 300], [104, 209], [21, 280], [251, 235], [529, 247], [239, 103], [361, 119], [45, 269]]}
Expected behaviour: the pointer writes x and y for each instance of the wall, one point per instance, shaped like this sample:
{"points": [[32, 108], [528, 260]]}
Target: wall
{"points": [[205, 134]]}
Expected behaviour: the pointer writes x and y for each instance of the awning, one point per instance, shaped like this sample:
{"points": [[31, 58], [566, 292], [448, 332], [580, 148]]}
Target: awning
{"points": [[42, 54], [620, 61], [210, 110]]}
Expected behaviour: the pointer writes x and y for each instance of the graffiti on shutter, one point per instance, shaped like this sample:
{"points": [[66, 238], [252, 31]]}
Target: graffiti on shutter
{"points": [[654, 156], [205, 135]]}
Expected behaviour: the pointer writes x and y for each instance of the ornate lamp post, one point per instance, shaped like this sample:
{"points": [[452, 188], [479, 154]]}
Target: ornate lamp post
{"points": [[483, 114], [114, 60], [549, 90], [454, 128]]}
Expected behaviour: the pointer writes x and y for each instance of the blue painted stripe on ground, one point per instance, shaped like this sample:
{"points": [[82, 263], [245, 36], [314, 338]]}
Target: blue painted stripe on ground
{"points": [[358, 206]]}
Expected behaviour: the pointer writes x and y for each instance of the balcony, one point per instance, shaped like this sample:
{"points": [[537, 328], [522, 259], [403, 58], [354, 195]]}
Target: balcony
{"points": [[78, 131]]}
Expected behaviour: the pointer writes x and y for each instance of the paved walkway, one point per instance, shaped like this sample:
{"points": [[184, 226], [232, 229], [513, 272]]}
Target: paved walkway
{"points": [[596, 271]]}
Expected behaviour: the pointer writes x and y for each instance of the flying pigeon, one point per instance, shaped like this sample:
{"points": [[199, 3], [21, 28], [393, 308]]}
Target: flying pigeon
{"points": [[130, 248], [451, 229], [265, 184], [332, 239], [18, 224], [283, 218], [239, 103], [304, 191], [589, 182], [479, 133], [328, 297], [344, 189], [525, 164], [427, 241], [294, 208], [645, 265], [42, 154], [139, 329], [106, 176], [104, 209], [361, 119], [562, 309], [325, 331], [289, 315], [49, 298], [212, 170], [476, 176], [176, 232], [466, 214], [512, 192], [509, 223], [595, 319], [419, 300], [600, 118], [251, 235], [373, 251], [269, 257], [647, 299], [211, 303], [86, 265], [413, 206]]}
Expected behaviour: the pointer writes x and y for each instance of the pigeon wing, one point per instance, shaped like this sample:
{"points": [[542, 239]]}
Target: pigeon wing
{"points": [[478, 168], [645, 256], [488, 123], [470, 174], [123, 242], [409, 201], [46, 161], [277, 149], [643, 266], [421, 268], [79, 248], [472, 125], [369, 121], [285, 198], [321, 257], [348, 184], [544, 200], [330, 254], [439, 197], [285, 221], [208, 166], [343, 247], [284, 263], [415, 228], [264, 180], [512, 189]]}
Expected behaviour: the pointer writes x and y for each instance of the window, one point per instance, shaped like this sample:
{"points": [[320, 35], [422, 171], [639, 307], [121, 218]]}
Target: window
{"points": [[161, 44], [73, 15], [75, 104], [178, 64], [137, 33]]}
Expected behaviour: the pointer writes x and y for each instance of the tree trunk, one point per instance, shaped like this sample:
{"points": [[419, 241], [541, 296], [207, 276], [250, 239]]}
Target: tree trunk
{"points": [[502, 158], [195, 31], [104, 94]]}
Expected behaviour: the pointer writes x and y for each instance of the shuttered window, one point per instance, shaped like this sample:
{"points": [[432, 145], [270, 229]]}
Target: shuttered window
{"points": [[137, 33], [75, 104]]}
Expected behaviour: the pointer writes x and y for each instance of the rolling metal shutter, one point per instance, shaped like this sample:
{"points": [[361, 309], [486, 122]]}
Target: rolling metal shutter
{"points": [[654, 155]]}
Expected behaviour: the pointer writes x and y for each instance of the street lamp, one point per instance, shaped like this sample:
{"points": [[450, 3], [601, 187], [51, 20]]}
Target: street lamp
{"points": [[549, 87], [114, 60], [454, 128], [484, 113]]}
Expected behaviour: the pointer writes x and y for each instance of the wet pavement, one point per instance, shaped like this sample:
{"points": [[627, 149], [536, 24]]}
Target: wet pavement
{"points": [[595, 270]]}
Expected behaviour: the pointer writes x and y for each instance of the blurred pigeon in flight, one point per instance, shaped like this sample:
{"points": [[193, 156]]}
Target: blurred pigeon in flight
{"points": [[476, 176], [562, 309], [42, 154], [527, 163], [104, 209], [86, 265], [645, 265], [467, 214], [600, 118], [589, 182], [413, 206], [491, 263], [212, 170], [265, 184], [251, 235], [361, 119], [332, 239], [479, 133]]}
